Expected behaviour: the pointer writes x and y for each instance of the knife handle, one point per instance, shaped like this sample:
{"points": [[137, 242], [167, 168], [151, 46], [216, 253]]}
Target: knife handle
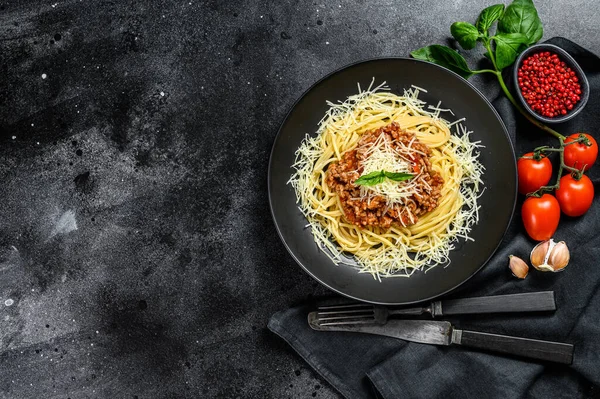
{"points": [[531, 348], [526, 302]]}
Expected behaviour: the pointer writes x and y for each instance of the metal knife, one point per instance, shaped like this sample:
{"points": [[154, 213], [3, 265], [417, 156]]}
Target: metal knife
{"points": [[443, 333]]}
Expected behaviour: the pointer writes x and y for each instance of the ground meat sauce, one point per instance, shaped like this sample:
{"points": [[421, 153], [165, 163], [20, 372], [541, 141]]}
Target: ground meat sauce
{"points": [[375, 210]]}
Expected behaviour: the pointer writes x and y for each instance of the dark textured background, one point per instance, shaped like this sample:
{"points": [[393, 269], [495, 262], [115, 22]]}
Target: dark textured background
{"points": [[137, 253]]}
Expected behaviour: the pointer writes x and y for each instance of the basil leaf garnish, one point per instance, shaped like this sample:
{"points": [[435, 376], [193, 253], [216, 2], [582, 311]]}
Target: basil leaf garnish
{"points": [[379, 177]]}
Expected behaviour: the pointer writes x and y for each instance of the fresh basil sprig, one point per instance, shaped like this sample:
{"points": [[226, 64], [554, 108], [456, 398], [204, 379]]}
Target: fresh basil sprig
{"points": [[518, 27], [379, 177]]}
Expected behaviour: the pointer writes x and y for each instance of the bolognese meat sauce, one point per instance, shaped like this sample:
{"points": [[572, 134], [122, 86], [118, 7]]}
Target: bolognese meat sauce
{"points": [[375, 210]]}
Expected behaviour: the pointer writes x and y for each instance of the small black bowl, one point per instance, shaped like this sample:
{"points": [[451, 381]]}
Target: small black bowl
{"points": [[571, 63]]}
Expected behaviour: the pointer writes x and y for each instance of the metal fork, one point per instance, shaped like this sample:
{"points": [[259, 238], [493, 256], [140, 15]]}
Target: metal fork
{"points": [[359, 313], [364, 313]]}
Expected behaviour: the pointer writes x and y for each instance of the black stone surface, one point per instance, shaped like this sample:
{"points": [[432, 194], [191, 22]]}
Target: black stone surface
{"points": [[137, 254]]}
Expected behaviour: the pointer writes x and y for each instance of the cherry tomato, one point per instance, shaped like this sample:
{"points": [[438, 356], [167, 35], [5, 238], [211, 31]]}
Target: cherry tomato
{"points": [[575, 196], [540, 216], [579, 155], [533, 174]]}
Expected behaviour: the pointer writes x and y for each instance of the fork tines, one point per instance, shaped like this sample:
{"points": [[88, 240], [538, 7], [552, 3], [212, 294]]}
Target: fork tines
{"points": [[358, 313]]}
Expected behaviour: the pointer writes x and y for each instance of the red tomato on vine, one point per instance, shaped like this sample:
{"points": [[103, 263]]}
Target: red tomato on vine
{"points": [[579, 155], [575, 196], [540, 216], [533, 173]]}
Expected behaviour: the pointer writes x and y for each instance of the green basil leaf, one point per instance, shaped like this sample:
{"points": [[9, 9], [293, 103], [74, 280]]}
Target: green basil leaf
{"points": [[488, 16], [522, 17], [398, 176], [508, 47], [378, 177], [444, 56], [370, 179], [465, 34]]}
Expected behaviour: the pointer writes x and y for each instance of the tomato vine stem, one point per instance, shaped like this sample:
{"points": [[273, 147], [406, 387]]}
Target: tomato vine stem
{"points": [[562, 165]]}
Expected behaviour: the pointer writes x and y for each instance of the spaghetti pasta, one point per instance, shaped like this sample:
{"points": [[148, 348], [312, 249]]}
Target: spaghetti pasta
{"points": [[398, 250]]}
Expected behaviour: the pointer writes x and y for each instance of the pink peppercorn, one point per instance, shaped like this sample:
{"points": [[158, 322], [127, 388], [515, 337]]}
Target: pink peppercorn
{"points": [[548, 85]]}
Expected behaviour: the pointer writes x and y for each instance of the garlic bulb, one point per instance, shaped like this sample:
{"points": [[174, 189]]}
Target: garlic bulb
{"points": [[549, 256], [518, 266]]}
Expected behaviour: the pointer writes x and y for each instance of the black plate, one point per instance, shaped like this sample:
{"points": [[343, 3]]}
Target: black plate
{"points": [[497, 202]]}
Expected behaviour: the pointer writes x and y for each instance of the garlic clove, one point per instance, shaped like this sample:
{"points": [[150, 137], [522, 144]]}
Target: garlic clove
{"points": [[538, 253], [559, 257], [544, 268], [518, 267]]}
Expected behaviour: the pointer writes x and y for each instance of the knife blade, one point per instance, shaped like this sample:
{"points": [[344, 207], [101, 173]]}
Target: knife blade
{"points": [[443, 333], [422, 331]]}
